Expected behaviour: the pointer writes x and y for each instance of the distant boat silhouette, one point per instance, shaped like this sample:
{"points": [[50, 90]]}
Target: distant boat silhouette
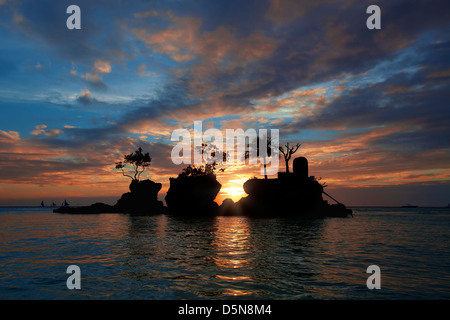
{"points": [[409, 206], [42, 204], [64, 204], [53, 204]]}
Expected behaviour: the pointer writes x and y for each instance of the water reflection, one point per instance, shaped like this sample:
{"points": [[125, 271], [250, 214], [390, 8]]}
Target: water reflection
{"points": [[220, 256], [233, 255], [231, 242], [165, 257], [257, 256]]}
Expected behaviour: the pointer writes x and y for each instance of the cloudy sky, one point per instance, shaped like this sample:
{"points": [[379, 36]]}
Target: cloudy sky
{"points": [[370, 107]]}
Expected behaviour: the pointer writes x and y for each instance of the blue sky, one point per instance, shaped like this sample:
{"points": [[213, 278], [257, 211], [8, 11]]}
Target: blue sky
{"points": [[370, 107]]}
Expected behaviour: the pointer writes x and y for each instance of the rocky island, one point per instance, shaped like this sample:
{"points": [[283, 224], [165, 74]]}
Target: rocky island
{"points": [[290, 195], [193, 192], [141, 200]]}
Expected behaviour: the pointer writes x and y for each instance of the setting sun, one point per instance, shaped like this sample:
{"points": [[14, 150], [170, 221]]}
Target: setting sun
{"points": [[233, 189]]}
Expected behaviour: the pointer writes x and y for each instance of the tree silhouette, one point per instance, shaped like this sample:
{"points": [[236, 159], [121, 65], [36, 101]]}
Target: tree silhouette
{"points": [[193, 171], [139, 162], [259, 151], [212, 153], [287, 154]]}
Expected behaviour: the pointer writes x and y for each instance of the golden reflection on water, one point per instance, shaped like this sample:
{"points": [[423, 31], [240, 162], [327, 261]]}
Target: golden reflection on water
{"points": [[231, 243], [112, 226], [233, 277], [159, 247], [161, 226], [237, 292]]}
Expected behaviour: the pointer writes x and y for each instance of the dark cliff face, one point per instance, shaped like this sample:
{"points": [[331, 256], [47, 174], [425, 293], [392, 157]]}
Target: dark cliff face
{"points": [[193, 195]]}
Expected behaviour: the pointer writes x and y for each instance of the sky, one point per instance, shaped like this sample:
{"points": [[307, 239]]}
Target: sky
{"points": [[370, 107]]}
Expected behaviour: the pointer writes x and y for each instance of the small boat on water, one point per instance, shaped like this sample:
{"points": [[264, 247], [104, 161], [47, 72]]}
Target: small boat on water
{"points": [[52, 205]]}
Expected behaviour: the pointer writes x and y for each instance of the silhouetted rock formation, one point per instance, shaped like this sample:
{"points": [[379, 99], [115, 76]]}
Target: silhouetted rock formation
{"points": [[142, 199], [291, 195], [92, 209], [228, 208], [193, 195]]}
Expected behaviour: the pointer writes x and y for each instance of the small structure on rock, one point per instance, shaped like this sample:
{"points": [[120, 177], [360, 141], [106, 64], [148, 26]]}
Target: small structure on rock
{"points": [[290, 195]]}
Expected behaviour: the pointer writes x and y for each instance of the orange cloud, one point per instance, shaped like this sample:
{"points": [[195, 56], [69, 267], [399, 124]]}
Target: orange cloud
{"points": [[171, 41], [102, 66], [439, 74], [183, 41], [143, 72], [33, 168], [41, 129], [397, 89], [9, 137], [356, 161], [85, 93]]}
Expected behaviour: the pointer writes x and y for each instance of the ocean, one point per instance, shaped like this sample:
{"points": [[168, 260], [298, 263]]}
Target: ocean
{"points": [[172, 258]]}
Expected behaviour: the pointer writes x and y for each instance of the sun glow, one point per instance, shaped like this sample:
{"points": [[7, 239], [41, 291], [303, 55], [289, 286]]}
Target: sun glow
{"points": [[233, 189]]}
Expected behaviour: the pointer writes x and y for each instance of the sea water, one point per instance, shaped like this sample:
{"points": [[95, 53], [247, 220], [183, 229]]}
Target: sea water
{"points": [[166, 257]]}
